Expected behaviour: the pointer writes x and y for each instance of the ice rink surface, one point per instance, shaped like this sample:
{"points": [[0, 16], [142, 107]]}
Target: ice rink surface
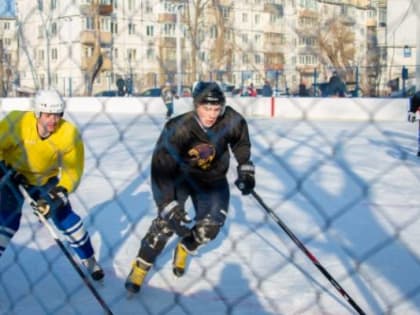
{"points": [[348, 190]]}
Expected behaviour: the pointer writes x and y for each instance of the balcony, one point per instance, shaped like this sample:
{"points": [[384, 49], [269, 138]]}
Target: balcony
{"points": [[273, 8], [91, 9], [88, 37], [167, 18], [273, 46], [105, 9], [273, 66], [371, 22], [168, 42]]}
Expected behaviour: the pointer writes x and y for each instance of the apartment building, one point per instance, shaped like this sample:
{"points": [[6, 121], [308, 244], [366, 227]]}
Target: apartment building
{"points": [[8, 53], [85, 46]]}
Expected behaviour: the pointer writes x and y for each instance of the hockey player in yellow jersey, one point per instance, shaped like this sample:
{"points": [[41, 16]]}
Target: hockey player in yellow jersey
{"points": [[43, 151]]}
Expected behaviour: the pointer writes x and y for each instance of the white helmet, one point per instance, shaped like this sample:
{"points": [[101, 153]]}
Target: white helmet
{"points": [[48, 101]]}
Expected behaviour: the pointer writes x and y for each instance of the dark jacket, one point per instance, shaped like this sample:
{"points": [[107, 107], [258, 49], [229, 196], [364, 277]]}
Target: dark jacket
{"points": [[185, 151]]}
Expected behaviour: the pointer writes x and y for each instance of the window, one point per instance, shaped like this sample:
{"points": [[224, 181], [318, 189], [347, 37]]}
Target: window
{"points": [[41, 31], [131, 54], [87, 51], [114, 27], [131, 28], [53, 29], [54, 54], [89, 23], [105, 24], [41, 55], [213, 31], [115, 53], [257, 19], [150, 54], [169, 29], [245, 58], [131, 5], [225, 11], [149, 30], [244, 17], [244, 38], [53, 4]]}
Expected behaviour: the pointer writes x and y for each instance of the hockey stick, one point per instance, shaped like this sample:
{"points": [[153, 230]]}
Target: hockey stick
{"points": [[63, 248], [307, 253]]}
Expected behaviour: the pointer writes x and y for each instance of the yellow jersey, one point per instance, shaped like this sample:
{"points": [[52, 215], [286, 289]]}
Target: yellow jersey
{"points": [[60, 155]]}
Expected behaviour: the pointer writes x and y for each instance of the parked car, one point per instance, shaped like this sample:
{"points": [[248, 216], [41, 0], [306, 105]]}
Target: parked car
{"points": [[409, 91], [152, 92], [108, 93]]}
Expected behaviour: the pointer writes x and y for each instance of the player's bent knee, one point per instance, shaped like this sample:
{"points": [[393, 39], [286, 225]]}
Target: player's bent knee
{"points": [[158, 234], [206, 230]]}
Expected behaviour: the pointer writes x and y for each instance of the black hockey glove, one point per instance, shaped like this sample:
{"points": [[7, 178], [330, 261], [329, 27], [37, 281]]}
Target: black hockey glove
{"points": [[55, 199], [411, 117], [246, 178], [14, 176], [176, 217]]}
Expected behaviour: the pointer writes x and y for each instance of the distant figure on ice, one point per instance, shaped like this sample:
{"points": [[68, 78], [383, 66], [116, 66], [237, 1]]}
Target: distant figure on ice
{"points": [[191, 160], [168, 96], [412, 117]]}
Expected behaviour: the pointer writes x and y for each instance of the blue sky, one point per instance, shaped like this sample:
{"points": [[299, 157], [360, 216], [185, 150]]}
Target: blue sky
{"points": [[7, 7]]}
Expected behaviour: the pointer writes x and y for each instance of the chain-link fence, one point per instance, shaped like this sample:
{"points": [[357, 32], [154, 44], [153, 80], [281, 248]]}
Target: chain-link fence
{"points": [[347, 190], [340, 173]]}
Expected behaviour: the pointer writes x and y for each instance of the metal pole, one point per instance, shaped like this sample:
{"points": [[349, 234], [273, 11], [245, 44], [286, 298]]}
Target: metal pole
{"points": [[416, 5], [178, 50]]}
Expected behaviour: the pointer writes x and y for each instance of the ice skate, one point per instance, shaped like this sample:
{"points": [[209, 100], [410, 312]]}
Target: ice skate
{"points": [[180, 260], [136, 276], [95, 271]]}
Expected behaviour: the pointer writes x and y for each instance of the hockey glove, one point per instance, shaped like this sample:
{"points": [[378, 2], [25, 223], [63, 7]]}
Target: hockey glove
{"points": [[55, 199], [246, 178], [411, 117], [14, 176], [176, 217]]}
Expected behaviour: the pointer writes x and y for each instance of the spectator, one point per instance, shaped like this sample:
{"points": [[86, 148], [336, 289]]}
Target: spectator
{"points": [[168, 96], [267, 91], [251, 90], [336, 86]]}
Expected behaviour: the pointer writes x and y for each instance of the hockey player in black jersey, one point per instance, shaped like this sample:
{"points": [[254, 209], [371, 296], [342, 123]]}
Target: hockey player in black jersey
{"points": [[413, 108], [191, 159]]}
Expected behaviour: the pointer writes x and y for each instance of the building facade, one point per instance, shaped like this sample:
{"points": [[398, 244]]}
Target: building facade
{"points": [[82, 47]]}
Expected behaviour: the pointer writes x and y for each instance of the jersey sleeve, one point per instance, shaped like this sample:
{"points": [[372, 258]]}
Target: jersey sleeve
{"points": [[240, 143], [7, 132], [164, 168], [72, 162]]}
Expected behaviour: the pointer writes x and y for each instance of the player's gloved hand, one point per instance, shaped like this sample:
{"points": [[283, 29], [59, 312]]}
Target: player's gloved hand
{"points": [[246, 178], [176, 217], [411, 117], [14, 176], [56, 198]]}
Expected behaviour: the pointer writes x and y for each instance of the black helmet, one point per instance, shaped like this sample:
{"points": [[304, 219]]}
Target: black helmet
{"points": [[208, 92]]}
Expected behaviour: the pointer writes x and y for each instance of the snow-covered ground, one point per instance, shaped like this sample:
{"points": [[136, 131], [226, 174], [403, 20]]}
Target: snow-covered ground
{"points": [[348, 190]]}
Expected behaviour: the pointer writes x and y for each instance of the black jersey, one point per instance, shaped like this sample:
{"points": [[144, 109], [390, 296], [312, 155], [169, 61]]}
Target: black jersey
{"points": [[186, 150]]}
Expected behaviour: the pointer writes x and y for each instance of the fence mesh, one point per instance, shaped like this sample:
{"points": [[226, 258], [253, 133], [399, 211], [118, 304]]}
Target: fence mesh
{"points": [[347, 189]]}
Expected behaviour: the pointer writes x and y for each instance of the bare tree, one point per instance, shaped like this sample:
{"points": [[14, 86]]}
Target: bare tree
{"points": [[336, 42], [95, 61], [195, 26]]}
